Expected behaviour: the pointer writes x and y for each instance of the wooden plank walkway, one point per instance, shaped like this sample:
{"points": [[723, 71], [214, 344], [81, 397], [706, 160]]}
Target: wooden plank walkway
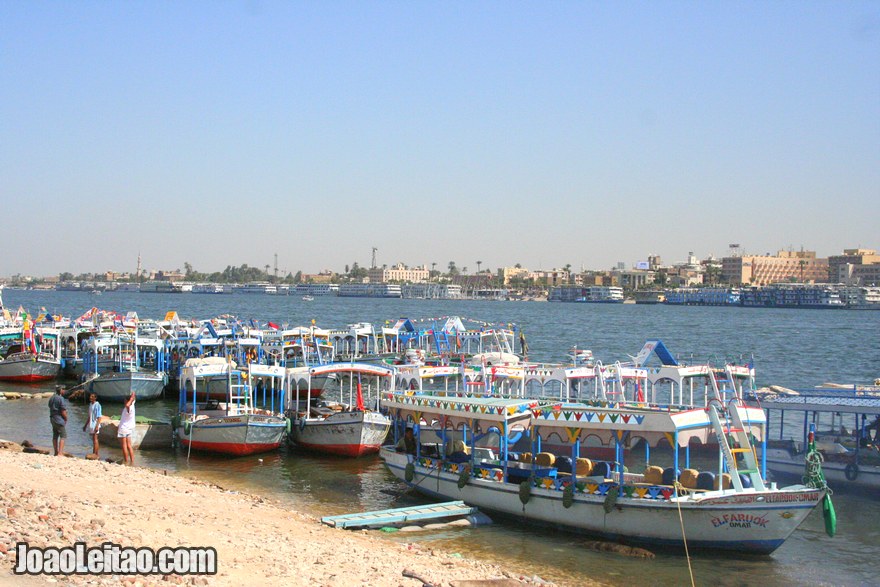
{"points": [[450, 509]]}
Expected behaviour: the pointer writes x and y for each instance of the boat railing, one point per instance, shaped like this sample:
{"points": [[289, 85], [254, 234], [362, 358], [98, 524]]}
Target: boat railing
{"points": [[634, 485]]}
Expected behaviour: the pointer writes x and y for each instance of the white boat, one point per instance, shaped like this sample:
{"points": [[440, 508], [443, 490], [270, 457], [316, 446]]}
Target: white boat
{"points": [[138, 366], [850, 419], [308, 298], [308, 346], [32, 354], [740, 512], [250, 421], [342, 429], [148, 434]]}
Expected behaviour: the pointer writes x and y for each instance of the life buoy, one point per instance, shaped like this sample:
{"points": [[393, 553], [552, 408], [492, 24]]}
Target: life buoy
{"points": [[851, 471]]}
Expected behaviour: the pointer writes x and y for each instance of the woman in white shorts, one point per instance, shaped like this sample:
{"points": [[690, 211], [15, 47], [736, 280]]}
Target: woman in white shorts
{"points": [[126, 429]]}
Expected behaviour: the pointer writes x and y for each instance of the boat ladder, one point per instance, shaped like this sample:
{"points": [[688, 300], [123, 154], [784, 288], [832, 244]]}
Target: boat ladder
{"points": [[238, 391], [441, 341], [450, 509], [732, 430]]}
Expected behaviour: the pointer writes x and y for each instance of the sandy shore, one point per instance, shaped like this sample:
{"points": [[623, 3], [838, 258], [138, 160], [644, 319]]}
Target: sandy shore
{"points": [[50, 501]]}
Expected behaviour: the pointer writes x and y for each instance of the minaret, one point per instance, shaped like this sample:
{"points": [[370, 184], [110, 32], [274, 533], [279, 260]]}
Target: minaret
{"points": [[138, 274]]}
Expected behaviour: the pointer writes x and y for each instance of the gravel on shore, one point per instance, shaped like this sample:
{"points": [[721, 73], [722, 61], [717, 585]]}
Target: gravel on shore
{"points": [[49, 501]]}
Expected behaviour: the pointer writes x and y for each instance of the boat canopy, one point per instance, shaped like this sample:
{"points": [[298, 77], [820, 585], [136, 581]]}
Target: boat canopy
{"points": [[303, 374], [824, 403], [607, 421]]}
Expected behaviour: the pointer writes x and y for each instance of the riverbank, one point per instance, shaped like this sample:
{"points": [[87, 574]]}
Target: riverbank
{"points": [[48, 501]]}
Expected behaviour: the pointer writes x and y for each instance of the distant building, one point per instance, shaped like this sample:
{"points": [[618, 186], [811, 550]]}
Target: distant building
{"points": [[635, 278], [859, 274], [800, 266], [551, 278], [508, 273], [175, 275], [322, 277], [399, 273], [853, 266]]}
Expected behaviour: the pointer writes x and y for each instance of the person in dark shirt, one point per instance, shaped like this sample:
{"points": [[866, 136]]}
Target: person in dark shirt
{"points": [[58, 418]]}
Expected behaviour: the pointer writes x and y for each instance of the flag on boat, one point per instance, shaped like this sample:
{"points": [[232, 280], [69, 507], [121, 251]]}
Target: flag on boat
{"points": [[273, 326]]}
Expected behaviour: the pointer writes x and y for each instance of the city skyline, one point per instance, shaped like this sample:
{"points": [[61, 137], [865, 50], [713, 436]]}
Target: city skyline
{"points": [[577, 133], [442, 268]]}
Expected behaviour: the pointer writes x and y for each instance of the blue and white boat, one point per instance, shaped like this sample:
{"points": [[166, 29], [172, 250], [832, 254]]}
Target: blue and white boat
{"points": [[731, 508], [138, 365]]}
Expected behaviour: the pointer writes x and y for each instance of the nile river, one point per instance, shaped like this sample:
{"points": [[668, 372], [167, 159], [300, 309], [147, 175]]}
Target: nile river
{"points": [[793, 348]]}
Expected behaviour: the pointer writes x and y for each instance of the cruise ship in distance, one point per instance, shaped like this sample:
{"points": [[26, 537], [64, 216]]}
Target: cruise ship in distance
{"points": [[316, 289], [255, 288], [793, 295], [597, 294], [369, 290]]}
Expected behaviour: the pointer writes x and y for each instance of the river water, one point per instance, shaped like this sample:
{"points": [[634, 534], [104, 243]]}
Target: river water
{"points": [[793, 348]]}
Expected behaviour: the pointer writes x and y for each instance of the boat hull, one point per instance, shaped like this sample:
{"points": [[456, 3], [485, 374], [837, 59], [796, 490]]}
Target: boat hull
{"points": [[27, 368], [239, 435], [839, 475], [757, 522], [350, 434], [146, 435], [117, 387]]}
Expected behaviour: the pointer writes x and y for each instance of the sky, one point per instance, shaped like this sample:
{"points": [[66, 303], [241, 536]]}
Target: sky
{"points": [[540, 133]]}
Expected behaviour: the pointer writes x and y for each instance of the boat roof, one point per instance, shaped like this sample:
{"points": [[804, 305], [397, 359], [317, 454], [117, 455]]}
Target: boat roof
{"points": [[849, 404], [304, 373]]}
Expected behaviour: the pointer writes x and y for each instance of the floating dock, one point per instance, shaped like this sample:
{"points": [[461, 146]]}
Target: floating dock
{"points": [[418, 513]]}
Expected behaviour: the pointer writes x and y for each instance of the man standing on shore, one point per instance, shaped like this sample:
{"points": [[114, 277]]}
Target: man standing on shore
{"points": [[58, 418], [94, 422]]}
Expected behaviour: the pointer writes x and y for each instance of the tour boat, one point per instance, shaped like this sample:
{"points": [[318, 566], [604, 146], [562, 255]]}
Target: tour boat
{"points": [[308, 346], [337, 428], [138, 365], [729, 508], [849, 435], [249, 421], [33, 354]]}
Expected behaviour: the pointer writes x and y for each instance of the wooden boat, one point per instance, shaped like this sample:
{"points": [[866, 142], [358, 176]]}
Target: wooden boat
{"points": [[739, 512], [148, 434], [249, 421], [341, 429]]}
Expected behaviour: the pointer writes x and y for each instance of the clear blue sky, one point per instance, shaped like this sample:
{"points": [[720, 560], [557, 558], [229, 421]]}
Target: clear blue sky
{"points": [[542, 133]]}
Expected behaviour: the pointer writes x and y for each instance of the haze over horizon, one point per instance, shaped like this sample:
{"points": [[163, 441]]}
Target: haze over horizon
{"points": [[543, 134]]}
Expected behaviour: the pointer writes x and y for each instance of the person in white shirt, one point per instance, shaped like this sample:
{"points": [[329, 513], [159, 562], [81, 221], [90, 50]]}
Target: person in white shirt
{"points": [[126, 429]]}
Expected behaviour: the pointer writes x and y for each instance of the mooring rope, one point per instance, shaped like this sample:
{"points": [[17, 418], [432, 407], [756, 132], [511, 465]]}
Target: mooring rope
{"points": [[678, 488]]}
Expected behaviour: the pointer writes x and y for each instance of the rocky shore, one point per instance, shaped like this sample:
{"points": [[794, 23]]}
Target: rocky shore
{"points": [[49, 501]]}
